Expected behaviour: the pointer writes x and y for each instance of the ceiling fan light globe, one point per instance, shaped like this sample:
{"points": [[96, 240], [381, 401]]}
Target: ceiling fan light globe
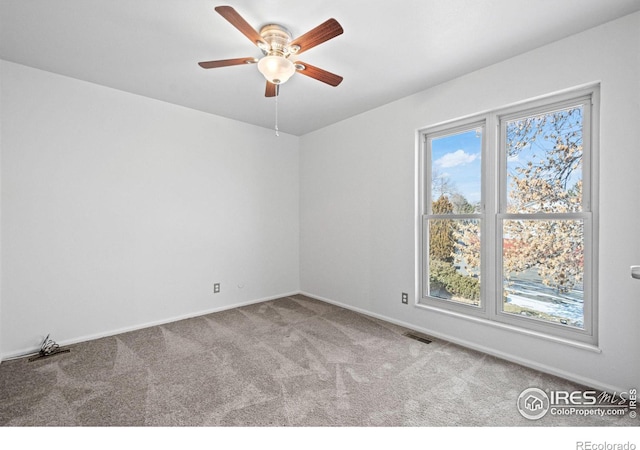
{"points": [[276, 69]]}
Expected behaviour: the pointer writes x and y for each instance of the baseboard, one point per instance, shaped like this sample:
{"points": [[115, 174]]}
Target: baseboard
{"points": [[91, 337], [595, 384], [588, 382]]}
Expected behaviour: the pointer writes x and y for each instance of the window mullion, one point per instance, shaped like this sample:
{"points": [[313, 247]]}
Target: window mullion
{"points": [[490, 208]]}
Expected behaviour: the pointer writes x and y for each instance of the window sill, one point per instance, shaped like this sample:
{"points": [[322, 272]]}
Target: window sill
{"points": [[513, 329]]}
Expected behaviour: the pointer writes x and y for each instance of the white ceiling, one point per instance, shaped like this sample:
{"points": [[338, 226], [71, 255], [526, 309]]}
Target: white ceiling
{"points": [[389, 49]]}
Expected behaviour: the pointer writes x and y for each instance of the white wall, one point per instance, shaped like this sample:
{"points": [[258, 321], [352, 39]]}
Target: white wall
{"points": [[120, 211], [358, 201]]}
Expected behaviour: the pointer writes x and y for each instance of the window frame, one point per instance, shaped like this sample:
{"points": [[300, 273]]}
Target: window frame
{"points": [[492, 214], [447, 129]]}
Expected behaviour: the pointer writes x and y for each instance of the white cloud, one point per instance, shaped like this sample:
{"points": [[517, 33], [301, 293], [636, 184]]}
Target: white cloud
{"points": [[457, 158]]}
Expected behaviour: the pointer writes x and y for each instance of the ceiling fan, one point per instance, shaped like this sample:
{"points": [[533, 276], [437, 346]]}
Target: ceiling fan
{"points": [[280, 50]]}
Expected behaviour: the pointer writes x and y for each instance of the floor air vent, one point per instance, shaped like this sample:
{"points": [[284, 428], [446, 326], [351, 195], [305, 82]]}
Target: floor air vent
{"points": [[417, 337]]}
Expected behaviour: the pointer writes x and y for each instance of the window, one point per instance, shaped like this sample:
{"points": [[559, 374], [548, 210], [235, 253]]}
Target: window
{"points": [[453, 218], [508, 218]]}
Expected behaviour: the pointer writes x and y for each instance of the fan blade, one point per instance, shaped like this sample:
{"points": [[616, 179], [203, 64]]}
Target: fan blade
{"points": [[322, 33], [227, 62], [242, 25], [317, 73], [272, 90]]}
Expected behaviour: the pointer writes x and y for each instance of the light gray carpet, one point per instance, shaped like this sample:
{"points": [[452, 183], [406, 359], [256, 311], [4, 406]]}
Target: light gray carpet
{"points": [[294, 361]]}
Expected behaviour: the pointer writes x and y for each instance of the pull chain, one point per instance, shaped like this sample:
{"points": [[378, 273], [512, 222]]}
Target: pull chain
{"points": [[277, 92]]}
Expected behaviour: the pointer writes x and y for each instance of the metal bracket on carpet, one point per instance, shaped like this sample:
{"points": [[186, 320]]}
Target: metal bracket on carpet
{"points": [[48, 348]]}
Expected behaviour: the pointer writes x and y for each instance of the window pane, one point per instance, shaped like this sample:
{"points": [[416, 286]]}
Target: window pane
{"points": [[544, 162], [543, 270], [456, 172], [454, 260]]}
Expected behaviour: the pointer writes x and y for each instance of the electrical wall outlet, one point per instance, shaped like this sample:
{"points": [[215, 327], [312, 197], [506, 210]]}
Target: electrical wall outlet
{"points": [[405, 298], [216, 288]]}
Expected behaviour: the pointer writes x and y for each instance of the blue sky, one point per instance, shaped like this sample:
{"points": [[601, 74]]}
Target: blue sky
{"points": [[458, 158]]}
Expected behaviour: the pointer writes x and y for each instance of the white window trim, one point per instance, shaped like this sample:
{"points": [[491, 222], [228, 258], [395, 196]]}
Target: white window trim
{"points": [[493, 201], [468, 124]]}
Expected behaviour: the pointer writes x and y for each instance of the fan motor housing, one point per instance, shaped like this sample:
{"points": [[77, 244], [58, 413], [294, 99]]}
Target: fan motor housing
{"points": [[278, 38]]}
